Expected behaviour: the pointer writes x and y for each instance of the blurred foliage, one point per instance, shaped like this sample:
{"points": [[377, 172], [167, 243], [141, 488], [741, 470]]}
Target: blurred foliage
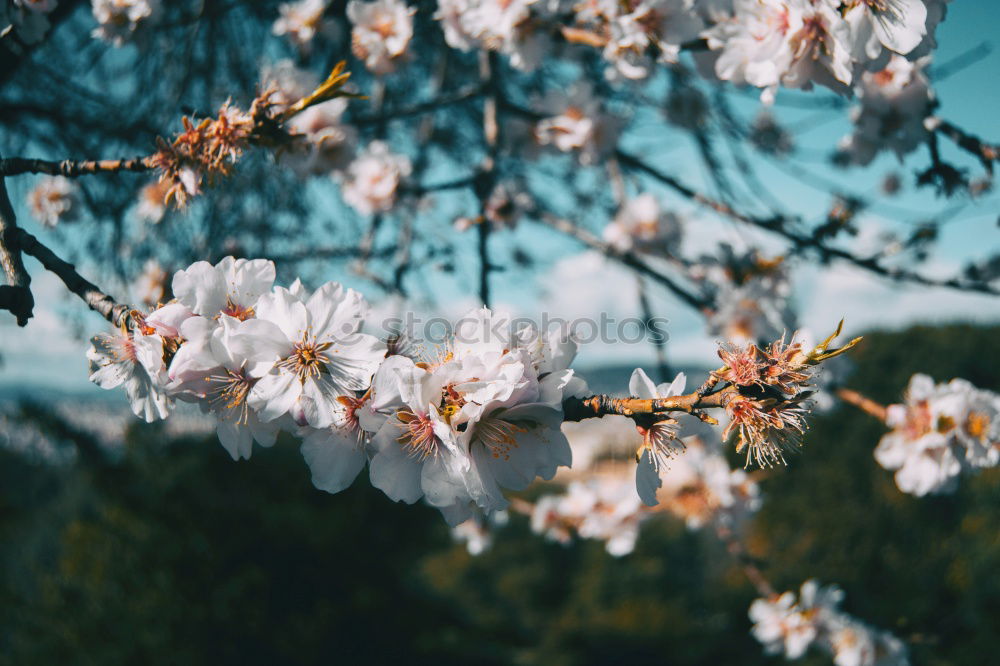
{"points": [[172, 554]]}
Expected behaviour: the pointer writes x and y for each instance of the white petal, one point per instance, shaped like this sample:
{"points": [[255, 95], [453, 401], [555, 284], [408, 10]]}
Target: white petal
{"points": [[334, 459], [201, 287], [641, 386], [647, 481], [274, 394], [235, 439]]}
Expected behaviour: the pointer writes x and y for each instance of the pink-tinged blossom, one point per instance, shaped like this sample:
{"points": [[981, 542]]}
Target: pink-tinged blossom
{"points": [[302, 22], [700, 487], [381, 32], [151, 285], [604, 507], [877, 25], [482, 417], [371, 182], [649, 25], [659, 440], [890, 117], [789, 626], [579, 125], [231, 287], [134, 361], [939, 432], [54, 199], [794, 43], [120, 21], [213, 367], [336, 454]]}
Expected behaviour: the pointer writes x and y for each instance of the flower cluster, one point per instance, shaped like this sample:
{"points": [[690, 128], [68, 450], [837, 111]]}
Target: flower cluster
{"points": [[121, 21], [939, 432], [454, 427], [371, 182], [382, 31], [302, 21], [702, 489], [514, 28], [698, 487], [54, 199], [322, 143], [893, 105], [578, 124], [789, 626], [604, 507], [799, 43]]}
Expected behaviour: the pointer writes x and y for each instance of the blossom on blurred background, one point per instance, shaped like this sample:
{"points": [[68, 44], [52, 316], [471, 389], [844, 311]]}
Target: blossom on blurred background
{"points": [[119, 21], [893, 105], [939, 431], [604, 507], [151, 206], [371, 182], [151, 285], [55, 199], [382, 31], [578, 124], [790, 626]]}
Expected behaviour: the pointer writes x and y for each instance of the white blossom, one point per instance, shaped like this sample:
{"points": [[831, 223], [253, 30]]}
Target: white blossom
{"points": [[54, 199], [231, 287], [134, 361], [893, 105], [481, 418], [302, 21], [382, 31], [578, 125], [939, 431], [119, 21], [371, 182], [321, 355]]}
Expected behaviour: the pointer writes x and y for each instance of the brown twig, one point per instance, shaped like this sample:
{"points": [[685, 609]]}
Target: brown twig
{"points": [[16, 296], [986, 153], [697, 301], [15, 166], [863, 403], [95, 299], [595, 406]]}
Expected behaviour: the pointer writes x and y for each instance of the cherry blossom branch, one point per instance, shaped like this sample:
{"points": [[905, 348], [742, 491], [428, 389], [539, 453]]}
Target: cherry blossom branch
{"points": [[92, 295], [986, 153], [596, 406], [739, 553], [778, 225], [461, 95], [697, 301], [16, 295], [15, 166]]}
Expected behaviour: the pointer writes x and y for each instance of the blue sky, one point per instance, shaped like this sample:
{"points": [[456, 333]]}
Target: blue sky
{"points": [[49, 353]]}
